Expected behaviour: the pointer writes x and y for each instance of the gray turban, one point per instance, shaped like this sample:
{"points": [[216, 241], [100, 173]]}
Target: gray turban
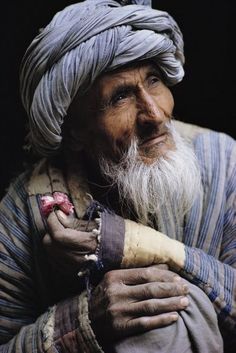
{"points": [[82, 41]]}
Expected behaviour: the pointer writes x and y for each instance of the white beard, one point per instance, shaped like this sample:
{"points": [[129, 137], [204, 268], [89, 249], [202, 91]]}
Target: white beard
{"points": [[171, 180]]}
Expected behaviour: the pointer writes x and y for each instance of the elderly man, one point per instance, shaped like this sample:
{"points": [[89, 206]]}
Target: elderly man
{"points": [[122, 238]]}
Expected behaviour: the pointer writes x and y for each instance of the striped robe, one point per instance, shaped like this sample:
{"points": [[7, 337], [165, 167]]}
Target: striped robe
{"points": [[31, 294]]}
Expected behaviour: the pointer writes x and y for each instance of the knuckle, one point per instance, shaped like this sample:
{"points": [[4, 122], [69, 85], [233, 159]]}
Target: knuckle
{"points": [[112, 312], [166, 275], [114, 317], [165, 288], [184, 289], [143, 323], [145, 274], [148, 272], [79, 224], [58, 235], [160, 290], [149, 307], [170, 289], [109, 294], [149, 291], [166, 319], [109, 278]]}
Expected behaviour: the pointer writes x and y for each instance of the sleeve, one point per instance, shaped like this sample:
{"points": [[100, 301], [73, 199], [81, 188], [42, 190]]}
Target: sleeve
{"points": [[23, 329], [217, 277]]}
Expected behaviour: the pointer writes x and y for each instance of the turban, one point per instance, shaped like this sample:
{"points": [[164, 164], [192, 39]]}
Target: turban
{"points": [[81, 42]]}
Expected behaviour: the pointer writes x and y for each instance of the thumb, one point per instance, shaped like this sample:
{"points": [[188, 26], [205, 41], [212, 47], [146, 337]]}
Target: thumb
{"points": [[68, 221]]}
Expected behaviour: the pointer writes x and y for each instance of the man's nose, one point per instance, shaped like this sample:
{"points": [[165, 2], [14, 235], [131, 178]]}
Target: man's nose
{"points": [[149, 113]]}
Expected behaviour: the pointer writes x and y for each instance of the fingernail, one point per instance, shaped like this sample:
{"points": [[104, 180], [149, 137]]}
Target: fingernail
{"points": [[185, 288], [174, 317], [184, 301], [62, 214], [177, 278]]}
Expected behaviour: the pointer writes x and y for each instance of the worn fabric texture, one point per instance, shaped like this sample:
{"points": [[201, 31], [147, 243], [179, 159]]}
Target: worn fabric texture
{"points": [[29, 285], [81, 42]]}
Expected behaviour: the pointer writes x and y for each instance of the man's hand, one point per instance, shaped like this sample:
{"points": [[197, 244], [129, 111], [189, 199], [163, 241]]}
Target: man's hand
{"points": [[68, 241], [132, 301]]}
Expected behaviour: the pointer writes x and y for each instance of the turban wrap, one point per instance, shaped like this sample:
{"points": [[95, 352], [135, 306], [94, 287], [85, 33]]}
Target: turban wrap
{"points": [[82, 41]]}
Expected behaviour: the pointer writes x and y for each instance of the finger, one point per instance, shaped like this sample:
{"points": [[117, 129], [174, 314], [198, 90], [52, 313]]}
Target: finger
{"points": [[65, 257], [162, 266], [75, 240], [143, 275], [47, 241], [157, 306], [71, 238], [53, 223], [143, 324], [70, 221], [157, 290]]}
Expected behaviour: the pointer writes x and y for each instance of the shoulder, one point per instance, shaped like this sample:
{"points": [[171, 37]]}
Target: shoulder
{"points": [[15, 205], [189, 131], [207, 138], [21, 186], [17, 192], [215, 151]]}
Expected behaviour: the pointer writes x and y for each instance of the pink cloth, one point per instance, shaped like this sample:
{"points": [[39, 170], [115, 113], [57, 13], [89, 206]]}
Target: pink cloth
{"points": [[57, 200]]}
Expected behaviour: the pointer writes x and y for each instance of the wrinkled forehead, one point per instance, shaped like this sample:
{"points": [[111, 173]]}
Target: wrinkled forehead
{"points": [[128, 74], [103, 87]]}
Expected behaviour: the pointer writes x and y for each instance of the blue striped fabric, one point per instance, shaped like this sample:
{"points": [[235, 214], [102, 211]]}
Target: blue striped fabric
{"points": [[208, 231], [17, 290], [211, 263]]}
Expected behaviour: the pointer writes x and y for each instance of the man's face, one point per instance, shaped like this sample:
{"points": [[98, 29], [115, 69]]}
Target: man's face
{"points": [[123, 124], [123, 105]]}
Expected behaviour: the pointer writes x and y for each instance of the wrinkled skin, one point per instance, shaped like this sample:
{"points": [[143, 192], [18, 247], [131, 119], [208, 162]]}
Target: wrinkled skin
{"points": [[132, 301], [68, 242], [122, 105], [126, 301]]}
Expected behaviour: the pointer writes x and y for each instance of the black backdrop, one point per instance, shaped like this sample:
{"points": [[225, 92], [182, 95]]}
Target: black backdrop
{"points": [[205, 97]]}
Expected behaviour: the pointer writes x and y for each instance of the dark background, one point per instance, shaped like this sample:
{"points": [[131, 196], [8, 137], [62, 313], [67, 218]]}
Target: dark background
{"points": [[205, 97]]}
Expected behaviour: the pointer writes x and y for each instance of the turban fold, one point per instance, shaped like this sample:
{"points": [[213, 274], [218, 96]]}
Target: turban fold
{"points": [[82, 41]]}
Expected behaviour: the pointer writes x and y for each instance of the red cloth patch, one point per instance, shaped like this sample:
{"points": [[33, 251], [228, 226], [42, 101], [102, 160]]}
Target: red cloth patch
{"points": [[58, 200]]}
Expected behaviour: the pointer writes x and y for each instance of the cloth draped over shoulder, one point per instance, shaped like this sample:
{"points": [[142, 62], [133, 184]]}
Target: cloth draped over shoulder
{"points": [[82, 41]]}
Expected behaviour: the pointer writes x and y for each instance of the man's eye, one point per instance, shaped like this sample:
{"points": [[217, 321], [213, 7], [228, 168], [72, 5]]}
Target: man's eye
{"points": [[153, 80], [119, 98]]}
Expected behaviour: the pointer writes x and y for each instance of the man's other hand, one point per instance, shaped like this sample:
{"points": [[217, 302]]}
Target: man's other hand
{"points": [[132, 301], [68, 241]]}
